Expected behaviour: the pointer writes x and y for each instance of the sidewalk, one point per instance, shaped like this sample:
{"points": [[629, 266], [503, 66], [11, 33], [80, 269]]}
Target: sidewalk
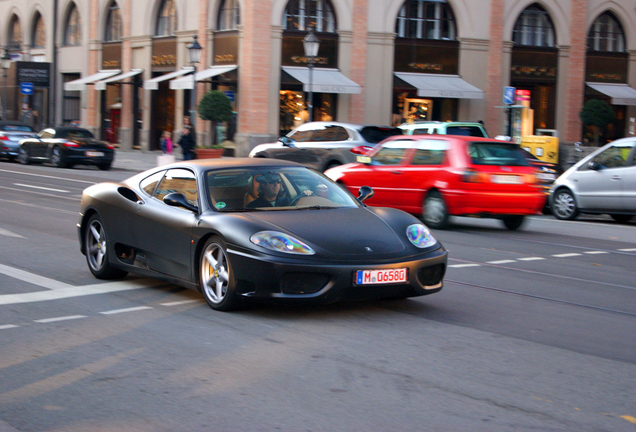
{"points": [[136, 160]]}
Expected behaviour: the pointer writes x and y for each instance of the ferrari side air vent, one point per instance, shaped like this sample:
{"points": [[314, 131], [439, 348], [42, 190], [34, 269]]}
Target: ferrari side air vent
{"points": [[128, 194]]}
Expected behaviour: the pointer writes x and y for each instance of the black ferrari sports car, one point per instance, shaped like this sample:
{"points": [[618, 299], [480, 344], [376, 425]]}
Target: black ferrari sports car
{"points": [[239, 229]]}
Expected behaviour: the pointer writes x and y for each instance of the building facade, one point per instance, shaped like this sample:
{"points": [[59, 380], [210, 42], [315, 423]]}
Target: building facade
{"points": [[121, 68]]}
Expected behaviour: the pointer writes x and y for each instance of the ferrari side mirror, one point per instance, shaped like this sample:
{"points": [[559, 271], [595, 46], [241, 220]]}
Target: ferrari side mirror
{"points": [[365, 193], [177, 199]]}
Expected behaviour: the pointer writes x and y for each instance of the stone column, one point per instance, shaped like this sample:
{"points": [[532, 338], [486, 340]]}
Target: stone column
{"points": [[89, 95], [631, 80], [127, 115], [575, 84], [358, 71], [494, 84]]}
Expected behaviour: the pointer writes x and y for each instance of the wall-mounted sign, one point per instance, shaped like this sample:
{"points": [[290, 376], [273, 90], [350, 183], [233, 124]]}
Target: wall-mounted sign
{"points": [[606, 67], [429, 57], [534, 65], [225, 48], [294, 51], [35, 73], [111, 55], [164, 54]]}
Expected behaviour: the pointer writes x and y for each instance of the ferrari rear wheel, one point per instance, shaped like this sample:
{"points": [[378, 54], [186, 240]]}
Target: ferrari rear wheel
{"points": [[57, 158], [435, 213], [216, 278], [23, 156], [96, 246]]}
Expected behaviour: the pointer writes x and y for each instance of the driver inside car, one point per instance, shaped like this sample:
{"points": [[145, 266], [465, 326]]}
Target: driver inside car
{"points": [[271, 193]]}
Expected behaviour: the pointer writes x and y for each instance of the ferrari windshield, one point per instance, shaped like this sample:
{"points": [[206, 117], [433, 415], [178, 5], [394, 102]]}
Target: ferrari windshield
{"points": [[274, 188]]}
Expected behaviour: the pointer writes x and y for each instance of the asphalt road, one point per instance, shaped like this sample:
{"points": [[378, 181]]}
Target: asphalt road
{"points": [[534, 330]]}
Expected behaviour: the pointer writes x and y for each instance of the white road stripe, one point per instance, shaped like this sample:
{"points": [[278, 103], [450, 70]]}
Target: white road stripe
{"points": [[501, 262], [8, 233], [64, 318], [32, 278], [595, 252], [464, 265], [530, 259], [47, 176], [132, 309], [79, 291], [40, 187], [628, 250], [566, 255], [179, 303], [8, 326]]}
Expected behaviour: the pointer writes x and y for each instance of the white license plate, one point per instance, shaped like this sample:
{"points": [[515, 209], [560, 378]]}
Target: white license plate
{"points": [[94, 154], [506, 179], [388, 276]]}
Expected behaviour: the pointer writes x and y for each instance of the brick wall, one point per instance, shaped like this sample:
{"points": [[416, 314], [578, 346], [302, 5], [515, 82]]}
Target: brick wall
{"points": [[494, 90], [576, 71], [359, 59]]}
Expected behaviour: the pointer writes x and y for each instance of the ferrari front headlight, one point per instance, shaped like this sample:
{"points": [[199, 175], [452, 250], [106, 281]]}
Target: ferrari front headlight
{"points": [[281, 242], [420, 236]]}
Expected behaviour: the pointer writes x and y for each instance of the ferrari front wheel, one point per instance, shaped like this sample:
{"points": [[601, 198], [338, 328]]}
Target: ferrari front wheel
{"points": [[96, 249], [216, 278]]}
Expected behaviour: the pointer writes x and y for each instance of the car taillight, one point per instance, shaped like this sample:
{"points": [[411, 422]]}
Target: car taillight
{"points": [[472, 176], [108, 146], [70, 144], [361, 150], [4, 137]]}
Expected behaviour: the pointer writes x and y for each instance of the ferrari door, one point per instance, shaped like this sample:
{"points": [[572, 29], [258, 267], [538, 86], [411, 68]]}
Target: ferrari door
{"points": [[164, 232]]}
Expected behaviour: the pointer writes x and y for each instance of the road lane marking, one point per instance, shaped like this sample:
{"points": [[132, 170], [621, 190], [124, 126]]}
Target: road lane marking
{"points": [[132, 309], [48, 176], [501, 262], [566, 255], [79, 291], [628, 250], [179, 303], [464, 265], [8, 233], [8, 326], [32, 278], [41, 188], [596, 252], [64, 318], [530, 259]]}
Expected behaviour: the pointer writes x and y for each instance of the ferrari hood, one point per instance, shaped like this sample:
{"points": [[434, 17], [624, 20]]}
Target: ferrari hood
{"points": [[346, 231]]}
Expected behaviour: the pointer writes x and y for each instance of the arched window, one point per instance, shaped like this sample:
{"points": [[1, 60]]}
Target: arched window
{"points": [[38, 38], [304, 14], [420, 19], [15, 33], [113, 24], [229, 15], [167, 19], [73, 28], [606, 34], [534, 28]]}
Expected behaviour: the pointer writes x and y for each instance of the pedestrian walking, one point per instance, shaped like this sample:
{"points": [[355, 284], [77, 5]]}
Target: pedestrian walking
{"points": [[166, 142], [187, 143]]}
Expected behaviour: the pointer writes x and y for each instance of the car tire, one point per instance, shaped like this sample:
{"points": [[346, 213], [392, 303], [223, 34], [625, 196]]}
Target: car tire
{"points": [[104, 166], [513, 222], [621, 218], [435, 213], [57, 158], [23, 156], [330, 165], [216, 278], [564, 205], [96, 249]]}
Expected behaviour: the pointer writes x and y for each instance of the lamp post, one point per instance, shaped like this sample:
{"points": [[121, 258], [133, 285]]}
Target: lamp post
{"points": [[311, 45], [6, 64], [195, 55]]}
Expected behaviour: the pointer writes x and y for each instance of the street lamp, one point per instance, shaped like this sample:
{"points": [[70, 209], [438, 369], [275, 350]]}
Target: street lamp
{"points": [[6, 64], [195, 55], [311, 45]]}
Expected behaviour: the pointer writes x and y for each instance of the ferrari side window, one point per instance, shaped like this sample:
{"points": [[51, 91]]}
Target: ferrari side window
{"points": [[178, 181], [149, 184]]}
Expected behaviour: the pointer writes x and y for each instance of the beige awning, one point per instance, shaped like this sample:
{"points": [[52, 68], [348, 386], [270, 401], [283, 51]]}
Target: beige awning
{"points": [[441, 86], [186, 83], [153, 84], [101, 85], [621, 94], [80, 84], [324, 80]]}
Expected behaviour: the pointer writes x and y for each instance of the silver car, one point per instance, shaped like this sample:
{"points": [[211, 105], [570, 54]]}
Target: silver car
{"points": [[604, 182], [323, 145], [11, 133]]}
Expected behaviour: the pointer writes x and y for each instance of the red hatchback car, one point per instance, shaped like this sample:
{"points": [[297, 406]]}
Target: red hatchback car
{"points": [[438, 176]]}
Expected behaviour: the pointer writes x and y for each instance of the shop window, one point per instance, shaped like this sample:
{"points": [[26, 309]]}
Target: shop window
{"points": [[304, 14], [534, 28], [113, 24], [606, 34], [15, 34], [167, 19], [73, 28], [420, 19], [38, 38], [229, 15]]}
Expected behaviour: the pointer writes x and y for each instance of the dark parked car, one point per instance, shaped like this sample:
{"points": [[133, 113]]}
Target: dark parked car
{"points": [[11, 133], [323, 145], [191, 223], [65, 147]]}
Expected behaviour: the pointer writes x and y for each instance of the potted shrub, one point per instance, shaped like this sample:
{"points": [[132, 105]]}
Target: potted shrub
{"points": [[215, 107]]}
